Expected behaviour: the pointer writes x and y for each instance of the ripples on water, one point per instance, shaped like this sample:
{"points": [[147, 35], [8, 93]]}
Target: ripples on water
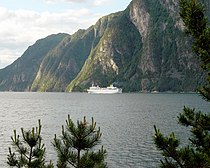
{"points": [[126, 121]]}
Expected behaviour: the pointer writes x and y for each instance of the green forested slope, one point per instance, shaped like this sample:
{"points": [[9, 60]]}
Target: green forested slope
{"points": [[115, 56], [143, 49], [63, 62], [20, 74]]}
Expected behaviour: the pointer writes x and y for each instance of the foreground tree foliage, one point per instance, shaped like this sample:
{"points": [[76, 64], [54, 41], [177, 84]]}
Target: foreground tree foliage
{"points": [[193, 15], [76, 144], [194, 155], [29, 152], [197, 153], [75, 148]]}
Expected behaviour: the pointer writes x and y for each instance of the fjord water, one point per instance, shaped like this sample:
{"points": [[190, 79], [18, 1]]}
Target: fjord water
{"points": [[126, 121]]}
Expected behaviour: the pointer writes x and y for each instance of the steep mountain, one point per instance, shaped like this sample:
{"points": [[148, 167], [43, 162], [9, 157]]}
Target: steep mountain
{"points": [[63, 62], [20, 74], [142, 48], [115, 57]]}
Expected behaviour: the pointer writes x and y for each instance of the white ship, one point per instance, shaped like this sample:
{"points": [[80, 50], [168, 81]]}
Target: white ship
{"points": [[108, 90]]}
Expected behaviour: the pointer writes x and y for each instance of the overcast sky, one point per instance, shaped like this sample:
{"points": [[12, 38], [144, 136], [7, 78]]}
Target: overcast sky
{"points": [[22, 22]]}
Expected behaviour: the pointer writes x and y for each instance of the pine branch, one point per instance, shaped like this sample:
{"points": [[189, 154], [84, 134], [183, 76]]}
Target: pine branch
{"points": [[167, 145], [80, 139]]}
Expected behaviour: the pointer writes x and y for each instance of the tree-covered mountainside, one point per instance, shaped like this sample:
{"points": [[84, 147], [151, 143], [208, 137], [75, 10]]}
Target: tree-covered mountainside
{"points": [[115, 58], [63, 62], [142, 48], [20, 75]]}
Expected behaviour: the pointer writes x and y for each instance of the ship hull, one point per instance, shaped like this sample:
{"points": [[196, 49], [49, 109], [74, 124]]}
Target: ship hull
{"points": [[104, 91]]}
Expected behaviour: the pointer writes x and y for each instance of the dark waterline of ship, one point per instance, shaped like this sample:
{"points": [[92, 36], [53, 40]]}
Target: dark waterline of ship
{"points": [[126, 121]]}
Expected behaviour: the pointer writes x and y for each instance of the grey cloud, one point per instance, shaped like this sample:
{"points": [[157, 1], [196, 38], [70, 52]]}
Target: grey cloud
{"points": [[22, 28]]}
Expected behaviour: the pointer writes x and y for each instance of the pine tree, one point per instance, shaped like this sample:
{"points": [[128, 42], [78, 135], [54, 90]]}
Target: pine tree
{"points": [[29, 150], [193, 15], [75, 148], [197, 153]]}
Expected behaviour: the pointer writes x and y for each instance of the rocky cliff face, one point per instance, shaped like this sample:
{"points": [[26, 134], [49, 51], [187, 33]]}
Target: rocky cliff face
{"points": [[110, 60], [140, 49], [159, 59]]}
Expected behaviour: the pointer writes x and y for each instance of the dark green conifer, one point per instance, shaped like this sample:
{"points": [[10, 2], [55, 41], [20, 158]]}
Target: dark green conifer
{"points": [[29, 152], [197, 153], [196, 22], [75, 147]]}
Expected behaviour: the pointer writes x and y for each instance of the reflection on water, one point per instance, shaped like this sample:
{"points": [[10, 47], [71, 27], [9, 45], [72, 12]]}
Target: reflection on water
{"points": [[126, 121]]}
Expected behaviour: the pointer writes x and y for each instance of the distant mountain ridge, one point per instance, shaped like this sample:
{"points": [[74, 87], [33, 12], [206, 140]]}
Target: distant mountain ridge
{"points": [[20, 75], [142, 48]]}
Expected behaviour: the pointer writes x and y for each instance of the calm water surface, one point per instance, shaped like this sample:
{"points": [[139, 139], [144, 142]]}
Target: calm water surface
{"points": [[126, 121]]}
